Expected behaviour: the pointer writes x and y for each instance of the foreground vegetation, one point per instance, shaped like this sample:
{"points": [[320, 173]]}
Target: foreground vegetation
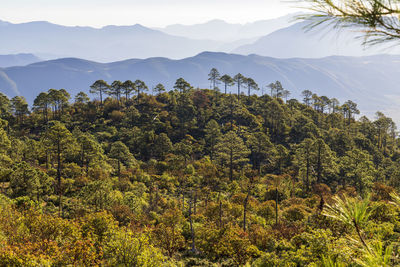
{"points": [[196, 178]]}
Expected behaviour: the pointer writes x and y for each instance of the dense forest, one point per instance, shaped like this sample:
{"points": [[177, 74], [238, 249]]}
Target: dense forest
{"points": [[196, 177]]}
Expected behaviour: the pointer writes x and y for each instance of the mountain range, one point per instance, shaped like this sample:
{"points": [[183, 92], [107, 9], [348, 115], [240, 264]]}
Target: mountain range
{"points": [[280, 38], [299, 41], [371, 81], [220, 30], [113, 43], [109, 43]]}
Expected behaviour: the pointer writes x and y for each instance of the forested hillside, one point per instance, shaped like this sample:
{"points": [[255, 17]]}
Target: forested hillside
{"points": [[355, 78], [192, 177]]}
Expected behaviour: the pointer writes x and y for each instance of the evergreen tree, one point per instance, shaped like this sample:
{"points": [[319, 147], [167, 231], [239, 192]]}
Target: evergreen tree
{"points": [[262, 150], [214, 77], [82, 98], [231, 151], [120, 152], [58, 138], [127, 88], [239, 79], [182, 86], [212, 134], [272, 88], [227, 80], [285, 95], [41, 103], [307, 94], [303, 161], [162, 146], [5, 106], [116, 90], [140, 87], [29, 181], [90, 150], [19, 106], [99, 87], [251, 85], [159, 88], [59, 100]]}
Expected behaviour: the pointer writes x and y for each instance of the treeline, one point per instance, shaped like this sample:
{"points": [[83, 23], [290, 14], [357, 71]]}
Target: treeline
{"points": [[195, 177]]}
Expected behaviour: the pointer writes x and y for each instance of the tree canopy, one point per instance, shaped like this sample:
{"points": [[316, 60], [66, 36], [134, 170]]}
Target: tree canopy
{"points": [[183, 176]]}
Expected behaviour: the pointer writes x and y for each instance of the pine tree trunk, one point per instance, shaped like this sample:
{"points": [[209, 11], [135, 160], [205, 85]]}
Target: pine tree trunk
{"points": [[191, 225], [82, 156], [319, 166], [119, 169], [183, 202], [276, 205], [47, 159], [195, 203], [59, 176], [231, 165], [238, 90], [87, 166], [220, 213], [245, 210], [308, 174]]}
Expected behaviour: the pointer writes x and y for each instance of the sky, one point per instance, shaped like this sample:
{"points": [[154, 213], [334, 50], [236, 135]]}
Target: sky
{"points": [[152, 13]]}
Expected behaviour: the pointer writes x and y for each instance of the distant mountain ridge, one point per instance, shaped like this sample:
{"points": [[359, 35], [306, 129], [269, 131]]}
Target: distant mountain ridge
{"points": [[370, 81], [280, 38], [113, 43], [220, 30], [17, 60], [109, 43], [296, 41]]}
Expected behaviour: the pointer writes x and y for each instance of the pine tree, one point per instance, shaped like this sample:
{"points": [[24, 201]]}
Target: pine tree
{"points": [[239, 79], [232, 151], [213, 77], [127, 88], [227, 80], [140, 87], [182, 85], [58, 138], [120, 152], [212, 133], [99, 87]]}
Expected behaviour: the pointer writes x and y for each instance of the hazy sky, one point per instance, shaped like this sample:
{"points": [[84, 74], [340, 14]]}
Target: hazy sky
{"points": [[147, 12]]}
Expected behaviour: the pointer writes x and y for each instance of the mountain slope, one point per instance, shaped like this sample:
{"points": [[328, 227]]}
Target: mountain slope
{"points": [[294, 41], [17, 60], [370, 81], [109, 43], [223, 31]]}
